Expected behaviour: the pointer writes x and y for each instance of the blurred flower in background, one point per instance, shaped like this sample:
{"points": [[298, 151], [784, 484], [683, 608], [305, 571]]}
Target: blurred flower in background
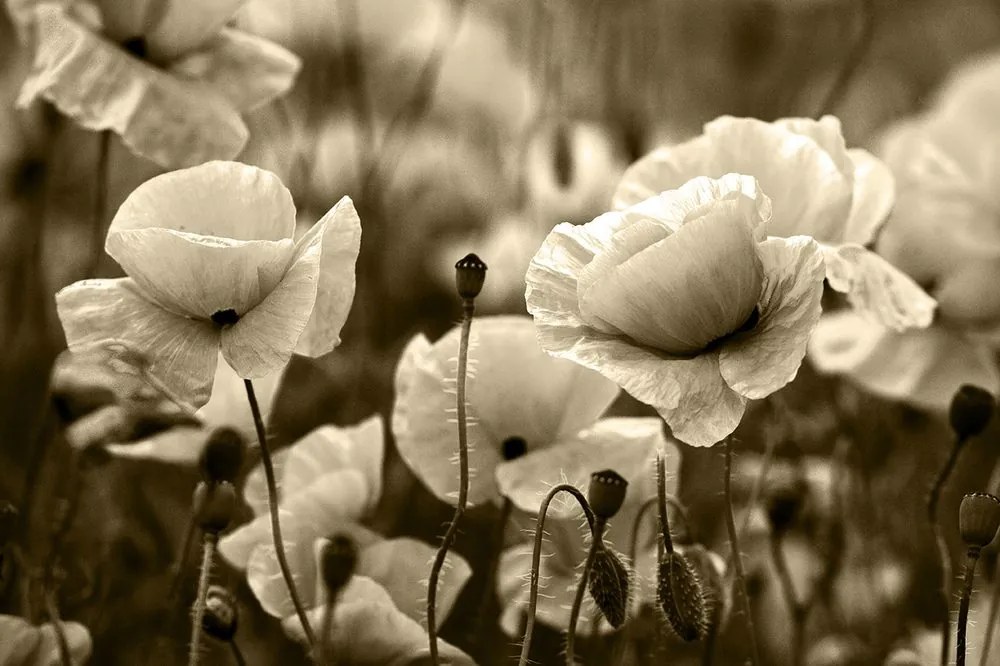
{"points": [[39, 646]]}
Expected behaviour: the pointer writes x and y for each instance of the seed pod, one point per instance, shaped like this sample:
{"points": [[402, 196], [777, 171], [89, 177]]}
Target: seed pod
{"points": [[221, 614], [337, 562], [222, 457], [979, 519], [214, 505], [609, 585], [681, 597], [971, 410], [470, 274], [606, 493]]}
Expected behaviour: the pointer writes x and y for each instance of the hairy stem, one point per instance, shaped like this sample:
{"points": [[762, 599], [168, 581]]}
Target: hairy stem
{"points": [[963, 609], [735, 551], [272, 504], [198, 610], [596, 542], [933, 500]]}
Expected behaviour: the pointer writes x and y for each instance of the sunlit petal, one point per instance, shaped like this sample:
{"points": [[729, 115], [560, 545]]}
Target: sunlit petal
{"points": [[874, 196], [827, 133], [665, 168]]}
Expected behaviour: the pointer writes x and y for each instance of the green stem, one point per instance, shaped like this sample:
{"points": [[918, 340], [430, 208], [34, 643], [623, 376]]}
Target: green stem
{"points": [[933, 501], [963, 609], [536, 557], [735, 551], [468, 310], [272, 504], [198, 610], [596, 542]]}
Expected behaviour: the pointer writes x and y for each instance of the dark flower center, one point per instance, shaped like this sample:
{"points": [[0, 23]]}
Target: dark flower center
{"points": [[225, 317], [514, 447], [136, 46]]}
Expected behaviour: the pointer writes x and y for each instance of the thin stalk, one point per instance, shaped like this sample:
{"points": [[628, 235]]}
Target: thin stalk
{"points": [[933, 500], [177, 569], [644, 509], [661, 495], [52, 608], [735, 551], [468, 310], [991, 623], [596, 543], [796, 609], [272, 505], [100, 204], [198, 610], [237, 653], [536, 557], [327, 655], [963, 610]]}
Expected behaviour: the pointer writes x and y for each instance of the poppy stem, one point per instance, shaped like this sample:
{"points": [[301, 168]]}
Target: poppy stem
{"points": [[327, 655], [100, 204], [536, 557], [933, 500], [468, 310], [596, 542], [52, 608], [991, 623], [198, 610], [735, 550], [963, 609], [272, 504], [177, 568], [661, 495], [237, 653], [798, 610]]}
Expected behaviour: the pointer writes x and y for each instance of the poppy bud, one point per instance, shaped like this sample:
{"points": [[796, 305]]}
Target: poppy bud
{"points": [[337, 562], [222, 457], [681, 597], [221, 614], [979, 519], [971, 410], [470, 274], [609, 585], [214, 505], [606, 493]]}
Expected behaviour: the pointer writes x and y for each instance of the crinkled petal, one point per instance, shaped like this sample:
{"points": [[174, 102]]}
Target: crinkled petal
{"points": [[878, 289], [248, 70], [874, 196], [171, 121], [666, 168], [184, 26], [182, 352], [922, 366], [263, 340], [626, 445], [228, 200], [760, 361], [339, 232]]}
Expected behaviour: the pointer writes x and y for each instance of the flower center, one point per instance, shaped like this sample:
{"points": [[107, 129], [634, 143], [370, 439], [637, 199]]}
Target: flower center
{"points": [[225, 317], [136, 46], [514, 447]]}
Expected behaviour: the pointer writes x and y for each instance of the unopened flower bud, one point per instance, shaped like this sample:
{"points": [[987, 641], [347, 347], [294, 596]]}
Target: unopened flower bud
{"points": [[971, 410], [681, 597], [222, 457], [221, 614], [979, 519], [609, 585], [606, 493], [470, 274], [338, 559], [214, 506]]}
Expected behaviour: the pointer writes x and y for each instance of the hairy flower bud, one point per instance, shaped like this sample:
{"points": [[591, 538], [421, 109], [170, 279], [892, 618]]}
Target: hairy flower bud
{"points": [[971, 410], [681, 597], [222, 457], [470, 274], [979, 519], [337, 562], [609, 585], [606, 493], [214, 505], [221, 614]]}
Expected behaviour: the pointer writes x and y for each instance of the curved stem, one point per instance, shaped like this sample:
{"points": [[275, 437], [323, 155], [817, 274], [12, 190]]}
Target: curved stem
{"points": [[468, 310], [963, 609], [52, 608], [237, 653], [596, 542], [536, 557], [661, 495], [735, 551], [644, 509], [272, 505], [933, 500], [991, 623], [198, 610]]}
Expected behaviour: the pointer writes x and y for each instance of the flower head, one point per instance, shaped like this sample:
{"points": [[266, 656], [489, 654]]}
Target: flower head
{"points": [[682, 300], [212, 264], [819, 188], [165, 75]]}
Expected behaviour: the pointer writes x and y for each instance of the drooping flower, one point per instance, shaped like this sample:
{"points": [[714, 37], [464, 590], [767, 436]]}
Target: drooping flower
{"points": [[211, 264], [945, 233], [167, 76], [532, 417], [330, 482], [818, 188], [683, 301], [24, 643]]}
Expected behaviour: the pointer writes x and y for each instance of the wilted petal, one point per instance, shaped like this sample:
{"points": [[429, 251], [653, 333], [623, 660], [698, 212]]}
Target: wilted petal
{"points": [[339, 232], [874, 196], [626, 445], [760, 361], [878, 289], [184, 26], [165, 119], [182, 352], [921, 366], [685, 291]]}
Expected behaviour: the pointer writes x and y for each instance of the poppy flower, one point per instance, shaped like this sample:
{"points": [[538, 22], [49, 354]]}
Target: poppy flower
{"points": [[165, 75], [682, 300], [24, 643], [818, 188], [211, 264]]}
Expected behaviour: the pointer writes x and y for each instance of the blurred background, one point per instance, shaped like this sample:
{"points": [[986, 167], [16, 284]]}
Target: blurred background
{"points": [[477, 126]]}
